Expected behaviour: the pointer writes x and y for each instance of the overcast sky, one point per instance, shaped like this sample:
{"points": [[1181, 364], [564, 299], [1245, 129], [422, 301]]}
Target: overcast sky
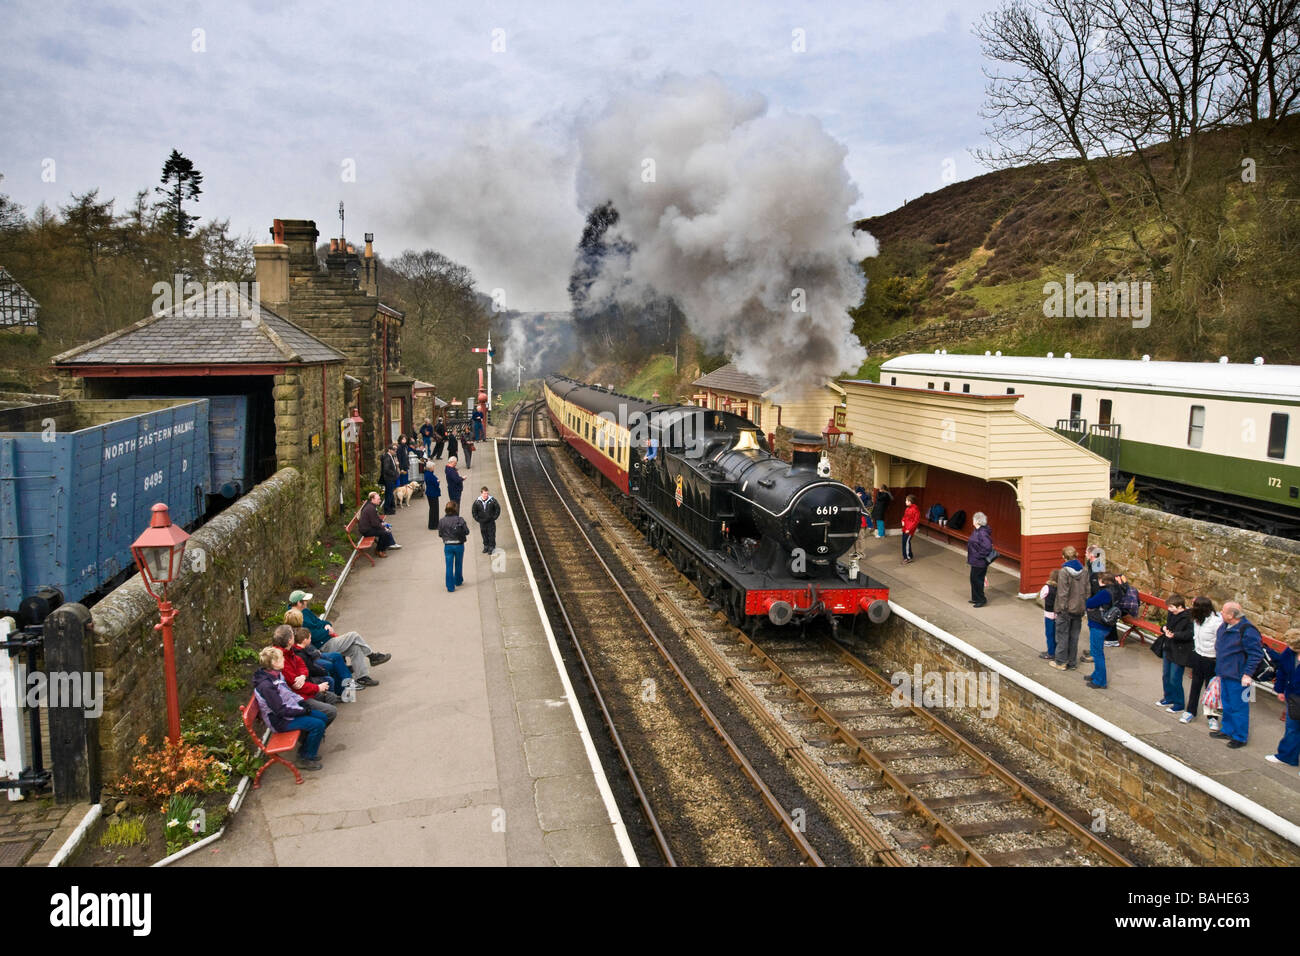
{"points": [[277, 106]]}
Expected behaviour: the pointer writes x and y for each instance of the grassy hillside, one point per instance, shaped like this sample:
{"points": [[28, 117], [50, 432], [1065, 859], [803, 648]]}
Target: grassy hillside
{"points": [[987, 246]]}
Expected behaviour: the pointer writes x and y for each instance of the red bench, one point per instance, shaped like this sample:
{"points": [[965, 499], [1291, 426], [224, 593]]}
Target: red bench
{"points": [[280, 742], [365, 543]]}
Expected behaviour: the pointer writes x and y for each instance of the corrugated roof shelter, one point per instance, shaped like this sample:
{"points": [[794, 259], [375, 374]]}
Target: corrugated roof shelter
{"points": [[977, 453], [223, 342], [807, 408]]}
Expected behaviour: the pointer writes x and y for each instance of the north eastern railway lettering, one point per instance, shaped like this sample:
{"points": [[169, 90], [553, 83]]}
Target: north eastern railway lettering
{"points": [[117, 449]]}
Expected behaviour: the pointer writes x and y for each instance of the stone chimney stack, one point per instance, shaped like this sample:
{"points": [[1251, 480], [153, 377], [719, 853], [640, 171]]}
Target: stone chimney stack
{"points": [[300, 236], [272, 274], [370, 267]]}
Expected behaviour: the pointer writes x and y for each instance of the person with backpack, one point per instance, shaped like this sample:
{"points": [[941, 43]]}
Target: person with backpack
{"points": [[1205, 627], [911, 520], [1103, 611], [1238, 649], [979, 554], [1179, 650], [1130, 604], [1287, 686], [1048, 596]]}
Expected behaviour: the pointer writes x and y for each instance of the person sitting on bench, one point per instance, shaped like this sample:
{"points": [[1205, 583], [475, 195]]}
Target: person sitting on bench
{"points": [[372, 526], [355, 650], [321, 667], [315, 697], [283, 711]]}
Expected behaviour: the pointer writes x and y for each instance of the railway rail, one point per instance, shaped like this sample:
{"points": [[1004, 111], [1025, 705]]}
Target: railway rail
{"points": [[912, 787], [590, 599]]}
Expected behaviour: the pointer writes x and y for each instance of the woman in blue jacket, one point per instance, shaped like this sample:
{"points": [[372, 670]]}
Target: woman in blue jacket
{"points": [[1099, 628], [432, 491]]}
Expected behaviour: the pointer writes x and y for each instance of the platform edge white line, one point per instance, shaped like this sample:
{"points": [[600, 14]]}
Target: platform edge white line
{"points": [[602, 784]]}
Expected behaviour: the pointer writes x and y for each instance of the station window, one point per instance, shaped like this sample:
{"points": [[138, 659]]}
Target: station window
{"points": [[1103, 411], [1277, 435], [965, 386], [1196, 426]]}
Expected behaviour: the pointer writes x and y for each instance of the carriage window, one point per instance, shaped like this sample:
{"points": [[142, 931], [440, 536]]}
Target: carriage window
{"points": [[893, 380], [947, 386], [1011, 391], [1076, 406], [965, 386], [1196, 426], [1103, 411], [929, 384], [1277, 435]]}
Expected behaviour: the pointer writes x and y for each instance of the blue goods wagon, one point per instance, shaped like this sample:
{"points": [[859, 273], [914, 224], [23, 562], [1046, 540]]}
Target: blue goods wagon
{"points": [[78, 479], [232, 455]]}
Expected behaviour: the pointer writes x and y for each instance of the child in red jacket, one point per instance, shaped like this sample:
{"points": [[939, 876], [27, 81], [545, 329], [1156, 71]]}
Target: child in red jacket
{"points": [[295, 675], [911, 518]]}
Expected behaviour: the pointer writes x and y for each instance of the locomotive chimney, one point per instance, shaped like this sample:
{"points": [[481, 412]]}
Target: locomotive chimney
{"points": [[807, 449]]}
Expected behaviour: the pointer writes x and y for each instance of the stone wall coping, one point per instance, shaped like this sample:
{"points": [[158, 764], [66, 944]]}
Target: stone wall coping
{"points": [[1243, 805]]}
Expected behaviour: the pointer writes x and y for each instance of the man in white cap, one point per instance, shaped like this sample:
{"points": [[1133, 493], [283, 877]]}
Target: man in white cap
{"points": [[358, 654]]}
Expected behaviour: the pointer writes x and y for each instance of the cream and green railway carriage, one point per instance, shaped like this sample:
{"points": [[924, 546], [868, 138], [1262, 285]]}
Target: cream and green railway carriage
{"points": [[1206, 439]]}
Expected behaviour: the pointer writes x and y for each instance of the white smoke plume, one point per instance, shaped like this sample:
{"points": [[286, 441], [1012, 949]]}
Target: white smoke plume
{"points": [[739, 215], [539, 341]]}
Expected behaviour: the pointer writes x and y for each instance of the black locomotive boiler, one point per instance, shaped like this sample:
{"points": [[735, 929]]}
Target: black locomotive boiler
{"points": [[760, 537]]}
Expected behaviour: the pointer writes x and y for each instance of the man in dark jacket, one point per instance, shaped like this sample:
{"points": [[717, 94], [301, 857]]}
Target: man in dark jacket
{"points": [[979, 547], [455, 483], [371, 525], [1072, 590], [388, 474], [485, 511], [282, 710], [1179, 632], [439, 439], [1238, 649]]}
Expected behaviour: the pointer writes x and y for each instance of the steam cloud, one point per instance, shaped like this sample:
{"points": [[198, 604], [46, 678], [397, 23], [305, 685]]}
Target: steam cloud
{"points": [[744, 209]]}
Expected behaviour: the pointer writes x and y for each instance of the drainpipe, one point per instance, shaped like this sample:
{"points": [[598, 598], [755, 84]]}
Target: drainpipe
{"points": [[324, 436]]}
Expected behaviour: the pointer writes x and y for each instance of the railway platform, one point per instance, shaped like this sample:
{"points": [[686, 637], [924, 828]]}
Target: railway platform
{"points": [[1010, 630], [468, 753]]}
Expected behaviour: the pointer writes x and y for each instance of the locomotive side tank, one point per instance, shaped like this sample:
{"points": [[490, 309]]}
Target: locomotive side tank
{"points": [[761, 537]]}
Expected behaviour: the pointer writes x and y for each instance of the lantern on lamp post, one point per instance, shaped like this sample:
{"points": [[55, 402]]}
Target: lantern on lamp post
{"points": [[158, 552]]}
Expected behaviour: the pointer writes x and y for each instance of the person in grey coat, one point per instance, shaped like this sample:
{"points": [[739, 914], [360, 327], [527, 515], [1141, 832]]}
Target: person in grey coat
{"points": [[1072, 591]]}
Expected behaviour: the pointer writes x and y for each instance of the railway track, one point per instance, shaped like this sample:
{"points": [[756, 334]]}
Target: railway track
{"points": [[912, 787], [613, 640]]}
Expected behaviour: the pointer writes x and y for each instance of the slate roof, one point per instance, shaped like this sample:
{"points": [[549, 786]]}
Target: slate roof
{"points": [[221, 327], [731, 379]]}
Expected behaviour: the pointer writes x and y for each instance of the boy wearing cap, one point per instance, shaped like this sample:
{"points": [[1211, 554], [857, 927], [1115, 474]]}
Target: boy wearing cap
{"points": [[355, 650]]}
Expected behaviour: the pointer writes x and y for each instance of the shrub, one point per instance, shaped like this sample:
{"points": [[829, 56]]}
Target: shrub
{"points": [[158, 775], [1128, 496]]}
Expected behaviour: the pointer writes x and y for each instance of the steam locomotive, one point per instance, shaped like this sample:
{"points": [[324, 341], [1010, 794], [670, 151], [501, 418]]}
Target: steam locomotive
{"points": [[759, 536]]}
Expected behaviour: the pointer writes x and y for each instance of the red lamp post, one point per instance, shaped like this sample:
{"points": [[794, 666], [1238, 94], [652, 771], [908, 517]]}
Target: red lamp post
{"points": [[833, 434], [158, 554]]}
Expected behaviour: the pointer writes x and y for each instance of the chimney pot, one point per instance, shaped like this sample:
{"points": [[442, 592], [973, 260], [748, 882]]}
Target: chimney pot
{"points": [[334, 245]]}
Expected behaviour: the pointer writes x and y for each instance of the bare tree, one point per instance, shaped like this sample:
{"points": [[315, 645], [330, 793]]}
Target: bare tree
{"points": [[1145, 80]]}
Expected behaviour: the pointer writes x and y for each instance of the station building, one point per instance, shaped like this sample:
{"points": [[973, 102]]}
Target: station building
{"points": [[972, 453], [806, 408]]}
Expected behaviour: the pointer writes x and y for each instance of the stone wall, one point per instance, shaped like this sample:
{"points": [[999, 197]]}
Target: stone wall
{"points": [[850, 464], [260, 536], [939, 334], [300, 413], [1164, 553], [1207, 831]]}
